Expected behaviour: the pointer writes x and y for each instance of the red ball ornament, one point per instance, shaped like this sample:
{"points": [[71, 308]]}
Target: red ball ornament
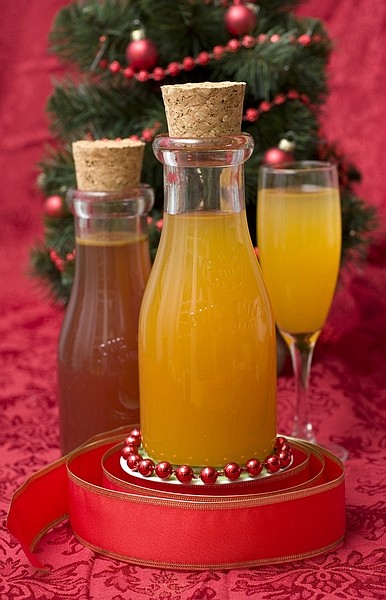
{"points": [[54, 207], [276, 156], [240, 19], [184, 474], [141, 53], [164, 470], [208, 475], [254, 467], [232, 471], [146, 467]]}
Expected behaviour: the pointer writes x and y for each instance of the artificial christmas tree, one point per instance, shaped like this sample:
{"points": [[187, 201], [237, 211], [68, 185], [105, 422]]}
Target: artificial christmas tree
{"points": [[124, 50]]}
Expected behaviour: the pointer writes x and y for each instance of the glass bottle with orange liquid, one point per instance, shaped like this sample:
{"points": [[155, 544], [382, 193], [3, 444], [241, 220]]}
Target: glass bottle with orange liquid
{"points": [[98, 346], [207, 353]]}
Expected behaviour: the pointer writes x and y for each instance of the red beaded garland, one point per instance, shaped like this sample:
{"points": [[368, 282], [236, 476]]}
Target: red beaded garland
{"points": [[208, 475]]}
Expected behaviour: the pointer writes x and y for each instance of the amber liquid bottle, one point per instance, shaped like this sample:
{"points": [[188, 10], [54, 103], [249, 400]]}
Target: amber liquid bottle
{"points": [[97, 356]]}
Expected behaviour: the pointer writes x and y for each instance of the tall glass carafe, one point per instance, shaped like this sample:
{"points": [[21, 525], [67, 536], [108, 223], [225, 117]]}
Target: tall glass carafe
{"points": [[98, 346], [207, 353]]}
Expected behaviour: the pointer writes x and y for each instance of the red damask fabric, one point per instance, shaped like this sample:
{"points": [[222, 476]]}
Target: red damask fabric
{"points": [[348, 397]]}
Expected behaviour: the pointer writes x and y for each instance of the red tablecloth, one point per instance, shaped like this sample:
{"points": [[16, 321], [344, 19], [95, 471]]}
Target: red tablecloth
{"points": [[348, 397]]}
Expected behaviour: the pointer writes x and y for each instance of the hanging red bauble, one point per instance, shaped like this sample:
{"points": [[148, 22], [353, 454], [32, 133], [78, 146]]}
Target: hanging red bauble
{"points": [[280, 154], [141, 52], [54, 207], [240, 19]]}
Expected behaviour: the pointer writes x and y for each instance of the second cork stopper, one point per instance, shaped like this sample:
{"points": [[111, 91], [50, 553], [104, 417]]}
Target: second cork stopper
{"points": [[206, 109], [107, 165]]}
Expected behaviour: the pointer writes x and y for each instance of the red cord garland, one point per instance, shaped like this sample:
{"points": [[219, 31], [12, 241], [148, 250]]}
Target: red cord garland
{"points": [[203, 58]]}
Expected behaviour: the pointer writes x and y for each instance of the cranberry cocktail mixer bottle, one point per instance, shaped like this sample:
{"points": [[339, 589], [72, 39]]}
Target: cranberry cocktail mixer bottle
{"points": [[98, 359], [207, 348]]}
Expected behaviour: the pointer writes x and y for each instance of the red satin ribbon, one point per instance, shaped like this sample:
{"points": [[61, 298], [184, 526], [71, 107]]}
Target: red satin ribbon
{"points": [[291, 515]]}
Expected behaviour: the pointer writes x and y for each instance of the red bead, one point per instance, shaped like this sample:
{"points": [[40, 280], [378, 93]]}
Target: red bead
{"points": [[136, 433], [203, 58], [251, 114], [132, 440], [233, 45], [188, 63], [239, 19], [280, 440], [164, 470], [184, 474], [114, 66], [133, 460], [208, 475], [248, 41], [174, 68], [128, 72], [284, 459], [254, 467], [143, 76], [285, 448], [232, 471], [272, 463], [146, 467], [159, 74], [304, 39], [218, 52], [127, 450]]}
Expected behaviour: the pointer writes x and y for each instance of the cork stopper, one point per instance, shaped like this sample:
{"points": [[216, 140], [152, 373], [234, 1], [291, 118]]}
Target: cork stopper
{"points": [[107, 165], [204, 109]]}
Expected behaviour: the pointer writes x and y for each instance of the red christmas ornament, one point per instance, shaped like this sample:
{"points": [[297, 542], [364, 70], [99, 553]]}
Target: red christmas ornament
{"points": [[54, 207], [240, 19], [141, 52], [208, 475], [281, 154]]}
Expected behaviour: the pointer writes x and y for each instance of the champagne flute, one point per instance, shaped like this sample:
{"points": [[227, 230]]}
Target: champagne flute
{"points": [[299, 238]]}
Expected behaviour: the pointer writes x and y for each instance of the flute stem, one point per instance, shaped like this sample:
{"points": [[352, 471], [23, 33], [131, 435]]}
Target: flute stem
{"points": [[301, 347]]}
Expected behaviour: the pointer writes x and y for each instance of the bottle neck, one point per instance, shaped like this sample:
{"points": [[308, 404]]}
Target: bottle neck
{"points": [[110, 214], [203, 174]]}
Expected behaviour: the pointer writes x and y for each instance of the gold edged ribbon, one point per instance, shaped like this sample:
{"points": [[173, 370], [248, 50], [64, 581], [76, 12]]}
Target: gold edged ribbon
{"points": [[290, 515]]}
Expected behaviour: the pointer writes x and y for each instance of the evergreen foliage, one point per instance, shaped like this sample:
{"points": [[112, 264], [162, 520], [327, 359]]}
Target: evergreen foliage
{"points": [[96, 100]]}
